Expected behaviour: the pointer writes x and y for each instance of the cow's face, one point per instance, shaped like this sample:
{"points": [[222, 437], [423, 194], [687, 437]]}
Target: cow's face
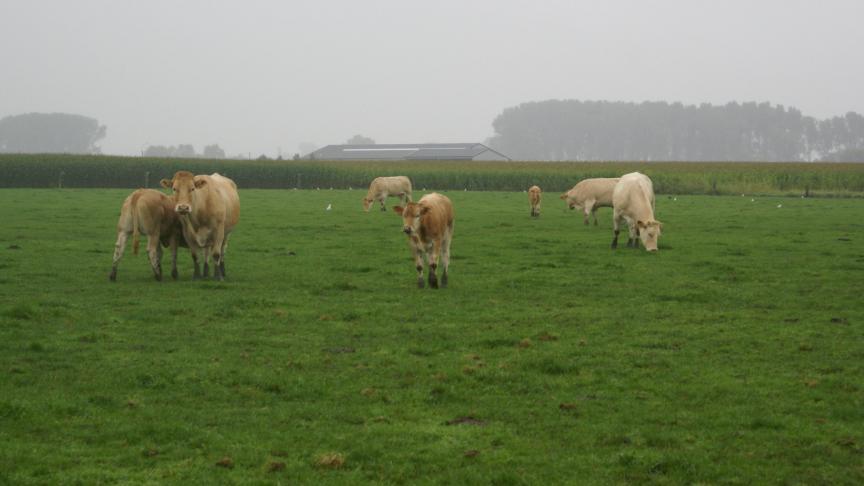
{"points": [[411, 214], [367, 203], [649, 233], [184, 185]]}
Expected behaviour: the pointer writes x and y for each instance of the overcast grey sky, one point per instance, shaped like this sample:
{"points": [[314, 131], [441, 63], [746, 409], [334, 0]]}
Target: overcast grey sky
{"points": [[253, 76]]}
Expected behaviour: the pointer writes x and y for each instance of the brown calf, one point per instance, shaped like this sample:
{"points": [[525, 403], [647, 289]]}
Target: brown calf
{"points": [[152, 213], [429, 226], [534, 199]]}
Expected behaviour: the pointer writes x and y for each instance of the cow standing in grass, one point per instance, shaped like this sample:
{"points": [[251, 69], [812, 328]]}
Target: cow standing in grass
{"points": [[383, 187], [590, 194], [633, 202], [208, 207], [429, 226], [534, 199], [152, 213]]}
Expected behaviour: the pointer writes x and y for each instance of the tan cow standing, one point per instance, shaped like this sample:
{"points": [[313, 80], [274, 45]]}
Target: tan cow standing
{"points": [[633, 202], [534, 199], [429, 226], [383, 187], [590, 194], [208, 207], [152, 213]]}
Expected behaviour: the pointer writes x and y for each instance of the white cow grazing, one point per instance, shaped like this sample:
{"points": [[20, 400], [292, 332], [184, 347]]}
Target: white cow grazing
{"points": [[383, 187], [633, 202], [590, 194]]}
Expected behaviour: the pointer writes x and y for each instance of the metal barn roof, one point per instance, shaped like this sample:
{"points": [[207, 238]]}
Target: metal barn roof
{"points": [[422, 151]]}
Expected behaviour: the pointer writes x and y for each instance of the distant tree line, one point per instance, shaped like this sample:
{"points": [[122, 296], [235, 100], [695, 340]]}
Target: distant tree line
{"points": [[186, 151], [654, 131], [50, 133]]}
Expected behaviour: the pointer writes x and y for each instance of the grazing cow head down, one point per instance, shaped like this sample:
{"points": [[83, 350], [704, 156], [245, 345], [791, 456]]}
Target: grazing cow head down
{"points": [[184, 185], [649, 233], [411, 214], [367, 203]]}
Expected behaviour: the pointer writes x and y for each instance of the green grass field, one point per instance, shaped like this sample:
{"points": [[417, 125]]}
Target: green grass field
{"points": [[735, 355]]}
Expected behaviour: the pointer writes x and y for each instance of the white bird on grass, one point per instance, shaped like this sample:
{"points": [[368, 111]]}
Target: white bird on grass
{"points": [[329, 206]]}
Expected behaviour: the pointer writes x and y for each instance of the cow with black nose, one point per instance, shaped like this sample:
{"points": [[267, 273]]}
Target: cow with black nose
{"points": [[429, 226], [208, 207]]}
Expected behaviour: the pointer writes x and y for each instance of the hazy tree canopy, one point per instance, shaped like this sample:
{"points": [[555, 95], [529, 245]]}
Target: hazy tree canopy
{"points": [[186, 151], [360, 140], [50, 133], [213, 152], [601, 130]]}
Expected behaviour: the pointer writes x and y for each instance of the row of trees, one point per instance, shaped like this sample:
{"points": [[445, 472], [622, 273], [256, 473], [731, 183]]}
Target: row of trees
{"points": [[601, 130], [213, 151], [50, 133]]}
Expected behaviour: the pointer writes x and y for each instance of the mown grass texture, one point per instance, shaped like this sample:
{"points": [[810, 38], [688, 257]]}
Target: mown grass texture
{"points": [[732, 356]]}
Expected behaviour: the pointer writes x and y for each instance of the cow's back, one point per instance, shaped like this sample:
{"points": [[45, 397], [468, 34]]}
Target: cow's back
{"points": [[438, 221], [634, 194], [599, 189]]}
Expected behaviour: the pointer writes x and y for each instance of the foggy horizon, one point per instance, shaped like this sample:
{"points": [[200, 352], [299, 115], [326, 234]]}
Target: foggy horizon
{"points": [[262, 76]]}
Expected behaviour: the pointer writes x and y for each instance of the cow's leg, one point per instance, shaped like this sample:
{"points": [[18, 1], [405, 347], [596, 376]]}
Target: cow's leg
{"points": [[218, 244], [432, 256], [154, 251], [445, 260], [616, 224], [594, 213], [196, 252], [383, 200], [222, 260], [206, 252], [119, 248], [173, 246], [418, 264], [587, 210]]}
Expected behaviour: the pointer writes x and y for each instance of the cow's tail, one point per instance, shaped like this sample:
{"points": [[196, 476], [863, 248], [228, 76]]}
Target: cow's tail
{"points": [[135, 234]]}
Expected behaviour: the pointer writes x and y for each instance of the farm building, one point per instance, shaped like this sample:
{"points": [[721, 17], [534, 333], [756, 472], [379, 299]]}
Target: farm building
{"points": [[421, 151]]}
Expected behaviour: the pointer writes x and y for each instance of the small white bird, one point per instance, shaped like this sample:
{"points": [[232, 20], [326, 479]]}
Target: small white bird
{"points": [[779, 205], [329, 207], [674, 198], [752, 200]]}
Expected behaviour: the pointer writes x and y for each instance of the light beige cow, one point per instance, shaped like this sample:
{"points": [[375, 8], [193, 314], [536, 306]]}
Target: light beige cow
{"points": [[590, 194], [383, 187], [208, 207], [534, 199], [151, 213], [429, 226], [633, 202]]}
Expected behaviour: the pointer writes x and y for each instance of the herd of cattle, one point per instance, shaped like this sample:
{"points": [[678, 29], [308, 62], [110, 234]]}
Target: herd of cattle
{"points": [[202, 211]]}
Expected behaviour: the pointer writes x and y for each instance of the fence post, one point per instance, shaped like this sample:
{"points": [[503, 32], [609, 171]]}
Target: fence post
{"points": [[60, 180], [147, 179], [298, 180]]}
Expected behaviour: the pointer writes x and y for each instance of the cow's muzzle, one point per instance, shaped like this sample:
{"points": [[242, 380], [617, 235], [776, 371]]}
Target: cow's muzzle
{"points": [[183, 209], [407, 230]]}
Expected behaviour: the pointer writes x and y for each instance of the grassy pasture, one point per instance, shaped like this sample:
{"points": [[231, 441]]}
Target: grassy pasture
{"points": [[734, 355]]}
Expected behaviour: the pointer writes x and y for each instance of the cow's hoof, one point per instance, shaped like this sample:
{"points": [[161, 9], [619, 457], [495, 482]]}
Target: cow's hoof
{"points": [[433, 283], [158, 277], [614, 245], [174, 274], [112, 276]]}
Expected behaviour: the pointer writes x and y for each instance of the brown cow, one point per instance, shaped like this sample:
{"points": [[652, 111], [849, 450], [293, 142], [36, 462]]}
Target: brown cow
{"points": [[534, 199], [590, 194], [633, 201], [382, 187], [208, 207], [152, 213], [429, 226]]}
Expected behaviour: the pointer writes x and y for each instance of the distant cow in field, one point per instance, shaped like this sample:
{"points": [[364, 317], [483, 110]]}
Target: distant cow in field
{"points": [[208, 207], [633, 202], [429, 226], [152, 213], [590, 194], [383, 187], [534, 199]]}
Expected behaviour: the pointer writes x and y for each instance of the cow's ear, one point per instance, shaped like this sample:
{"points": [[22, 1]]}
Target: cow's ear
{"points": [[424, 210], [564, 196], [640, 224], [398, 209], [200, 183], [165, 183]]}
